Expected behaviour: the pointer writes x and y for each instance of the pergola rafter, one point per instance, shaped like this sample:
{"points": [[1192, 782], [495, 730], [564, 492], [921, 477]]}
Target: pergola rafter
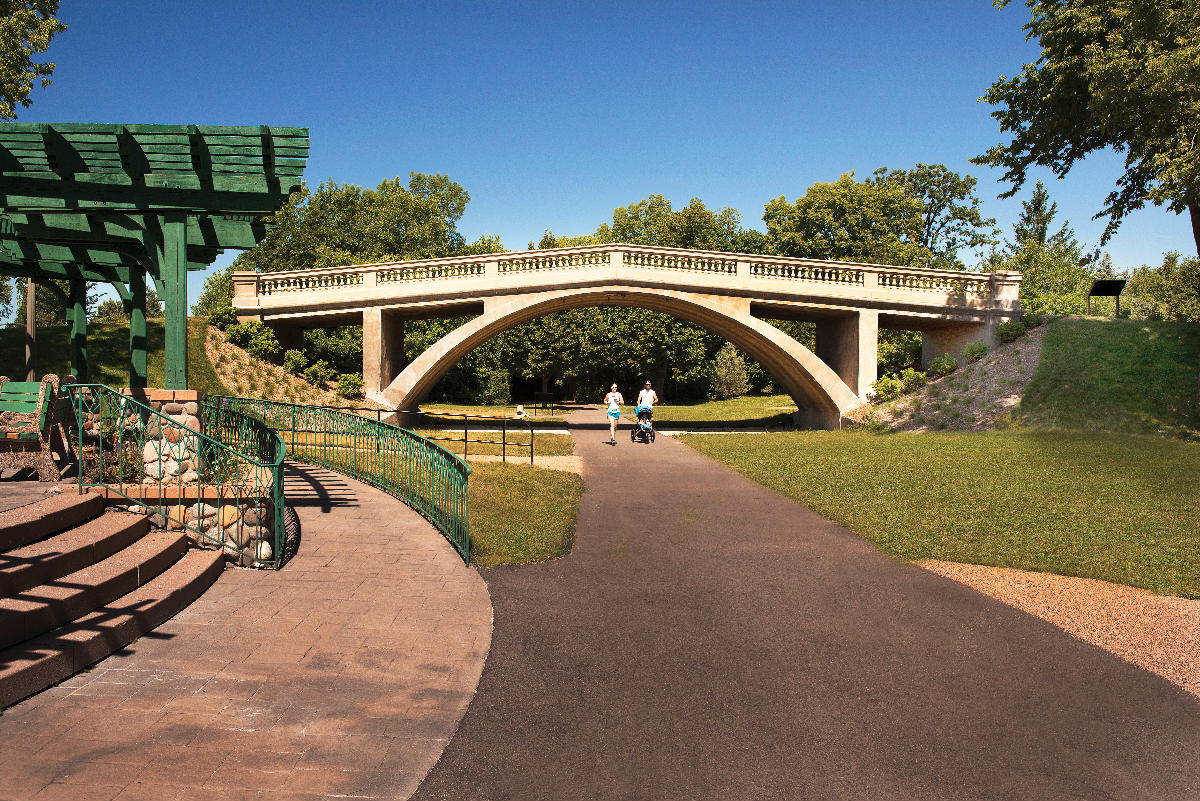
{"points": [[118, 203]]}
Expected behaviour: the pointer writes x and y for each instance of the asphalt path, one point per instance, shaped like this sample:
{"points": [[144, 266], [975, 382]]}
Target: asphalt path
{"points": [[709, 638]]}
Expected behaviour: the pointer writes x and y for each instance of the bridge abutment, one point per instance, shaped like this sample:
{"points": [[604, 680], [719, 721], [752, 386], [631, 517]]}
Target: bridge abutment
{"points": [[951, 339]]}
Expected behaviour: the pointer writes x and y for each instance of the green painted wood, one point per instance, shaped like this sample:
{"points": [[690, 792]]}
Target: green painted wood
{"points": [[137, 330], [173, 271], [12, 404], [78, 320]]}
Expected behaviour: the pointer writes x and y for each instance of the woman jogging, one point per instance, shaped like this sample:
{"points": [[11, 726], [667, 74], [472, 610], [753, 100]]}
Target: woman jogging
{"points": [[613, 401]]}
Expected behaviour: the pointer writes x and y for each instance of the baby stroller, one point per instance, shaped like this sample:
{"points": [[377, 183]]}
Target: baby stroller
{"points": [[644, 430]]}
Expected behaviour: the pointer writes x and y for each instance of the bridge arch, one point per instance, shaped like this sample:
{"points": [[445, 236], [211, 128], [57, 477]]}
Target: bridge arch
{"points": [[820, 394]]}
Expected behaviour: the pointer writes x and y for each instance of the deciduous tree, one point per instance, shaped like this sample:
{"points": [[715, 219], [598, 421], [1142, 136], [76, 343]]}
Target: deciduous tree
{"points": [[26, 28], [1119, 74]]}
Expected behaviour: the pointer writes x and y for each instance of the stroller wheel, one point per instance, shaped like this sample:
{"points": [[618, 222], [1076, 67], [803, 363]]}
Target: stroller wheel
{"points": [[633, 435], [651, 433]]}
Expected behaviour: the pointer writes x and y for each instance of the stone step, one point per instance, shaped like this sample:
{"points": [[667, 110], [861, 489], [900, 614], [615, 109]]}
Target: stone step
{"points": [[40, 519], [62, 554], [39, 609], [38, 663]]}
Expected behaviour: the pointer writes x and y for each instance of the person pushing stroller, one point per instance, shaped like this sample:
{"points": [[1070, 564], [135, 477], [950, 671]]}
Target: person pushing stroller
{"points": [[645, 414]]}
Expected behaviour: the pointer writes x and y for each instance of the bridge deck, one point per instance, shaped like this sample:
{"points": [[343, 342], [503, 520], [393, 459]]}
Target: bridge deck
{"points": [[427, 284]]}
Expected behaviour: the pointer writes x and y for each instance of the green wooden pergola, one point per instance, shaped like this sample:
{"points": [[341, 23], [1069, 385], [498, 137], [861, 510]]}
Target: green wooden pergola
{"points": [[123, 204]]}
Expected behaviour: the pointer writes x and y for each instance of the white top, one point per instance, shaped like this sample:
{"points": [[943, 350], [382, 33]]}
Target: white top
{"points": [[614, 401], [647, 397]]}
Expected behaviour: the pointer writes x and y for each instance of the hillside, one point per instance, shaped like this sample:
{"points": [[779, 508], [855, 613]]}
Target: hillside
{"points": [[214, 365], [108, 354], [1073, 373]]}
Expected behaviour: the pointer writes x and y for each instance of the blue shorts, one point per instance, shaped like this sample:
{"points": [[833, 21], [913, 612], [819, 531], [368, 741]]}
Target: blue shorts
{"points": [[615, 415]]}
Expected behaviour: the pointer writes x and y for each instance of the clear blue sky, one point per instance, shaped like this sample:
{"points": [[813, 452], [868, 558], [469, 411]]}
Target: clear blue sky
{"points": [[553, 114]]}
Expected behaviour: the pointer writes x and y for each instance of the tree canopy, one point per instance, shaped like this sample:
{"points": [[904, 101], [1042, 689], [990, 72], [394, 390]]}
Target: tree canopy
{"points": [[26, 28], [1119, 74], [850, 220]]}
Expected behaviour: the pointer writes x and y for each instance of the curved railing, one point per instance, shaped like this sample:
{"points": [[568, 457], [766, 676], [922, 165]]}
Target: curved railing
{"points": [[423, 474], [215, 473]]}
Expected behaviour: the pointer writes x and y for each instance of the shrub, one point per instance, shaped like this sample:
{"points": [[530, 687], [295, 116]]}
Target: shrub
{"points": [[350, 385], [911, 380], [975, 351], [294, 361], [887, 388], [320, 374], [263, 344], [1032, 320], [223, 318], [1010, 330], [256, 337], [497, 390], [943, 365], [729, 377]]}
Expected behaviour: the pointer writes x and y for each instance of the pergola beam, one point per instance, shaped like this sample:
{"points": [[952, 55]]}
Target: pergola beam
{"points": [[115, 203]]}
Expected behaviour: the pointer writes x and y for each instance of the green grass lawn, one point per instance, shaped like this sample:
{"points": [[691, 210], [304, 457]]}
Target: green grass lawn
{"points": [[1121, 508], [539, 417], [108, 354], [521, 514], [751, 411], [543, 444], [1131, 376]]}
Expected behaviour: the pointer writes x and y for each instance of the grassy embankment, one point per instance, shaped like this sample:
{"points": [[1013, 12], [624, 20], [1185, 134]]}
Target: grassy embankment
{"points": [[1099, 496], [108, 354]]}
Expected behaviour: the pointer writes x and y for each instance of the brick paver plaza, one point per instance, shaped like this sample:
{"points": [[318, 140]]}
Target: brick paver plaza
{"points": [[344, 674]]}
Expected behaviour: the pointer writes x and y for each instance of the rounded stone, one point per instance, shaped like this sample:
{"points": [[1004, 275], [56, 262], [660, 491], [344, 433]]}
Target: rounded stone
{"points": [[206, 509], [192, 408], [263, 551], [152, 452], [172, 408], [251, 517], [238, 535], [190, 477], [228, 515]]}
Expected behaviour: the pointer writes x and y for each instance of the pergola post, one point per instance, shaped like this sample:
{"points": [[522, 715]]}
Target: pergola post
{"points": [[30, 330], [173, 271], [78, 319], [137, 329]]}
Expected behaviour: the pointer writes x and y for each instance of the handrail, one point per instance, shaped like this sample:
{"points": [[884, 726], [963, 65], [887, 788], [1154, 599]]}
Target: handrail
{"points": [[503, 421], [994, 287], [228, 464], [423, 474]]}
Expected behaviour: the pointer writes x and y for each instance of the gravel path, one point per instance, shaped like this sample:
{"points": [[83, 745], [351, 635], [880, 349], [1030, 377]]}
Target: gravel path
{"points": [[709, 638], [1156, 632]]}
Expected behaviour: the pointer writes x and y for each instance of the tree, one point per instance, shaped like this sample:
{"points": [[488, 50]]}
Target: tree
{"points": [[1170, 291], [850, 220], [1120, 74], [25, 31], [1056, 268], [339, 224], [951, 217]]}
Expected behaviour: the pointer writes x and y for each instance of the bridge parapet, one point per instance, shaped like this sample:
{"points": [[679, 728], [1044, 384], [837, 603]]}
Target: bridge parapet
{"points": [[749, 275]]}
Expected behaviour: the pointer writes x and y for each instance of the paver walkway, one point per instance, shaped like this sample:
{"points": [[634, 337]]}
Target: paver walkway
{"points": [[342, 675], [708, 638]]}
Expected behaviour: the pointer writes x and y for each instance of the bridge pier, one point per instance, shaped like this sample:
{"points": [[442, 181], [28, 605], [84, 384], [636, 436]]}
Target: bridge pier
{"points": [[383, 348], [849, 344]]}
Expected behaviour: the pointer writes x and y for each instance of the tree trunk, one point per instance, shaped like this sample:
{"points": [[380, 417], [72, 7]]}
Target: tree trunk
{"points": [[545, 382], [1194, 210], [660, 380]]}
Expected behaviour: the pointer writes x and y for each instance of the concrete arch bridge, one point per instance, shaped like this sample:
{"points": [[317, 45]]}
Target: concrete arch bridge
{"points": [[731, 294]]}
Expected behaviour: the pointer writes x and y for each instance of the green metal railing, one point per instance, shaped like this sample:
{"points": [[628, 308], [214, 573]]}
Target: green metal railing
{"points": [[423, 474], [220, 479]]}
